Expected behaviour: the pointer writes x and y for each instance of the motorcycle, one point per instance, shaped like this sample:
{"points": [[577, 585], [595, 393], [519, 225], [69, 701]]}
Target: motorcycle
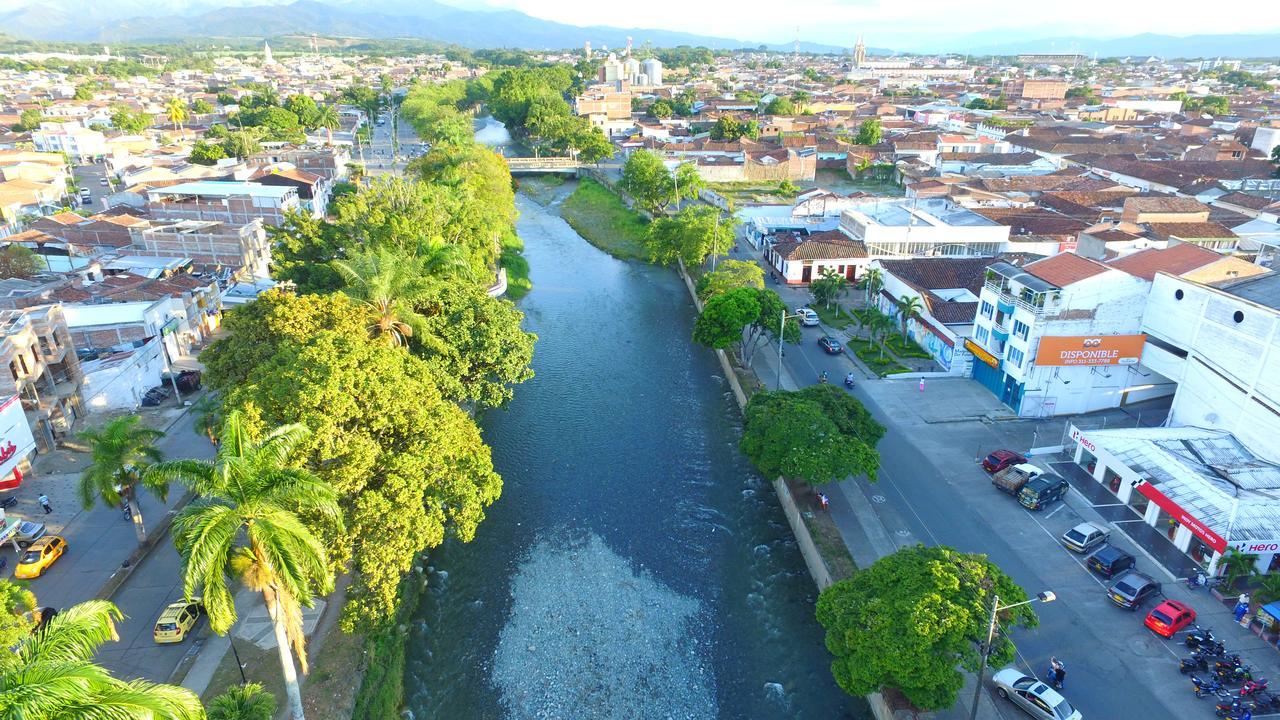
{"points": [[1234, 708], [1198, 636], [1200, 580], [1234, 675], [1196, 661], [8, 502], [1253, 686], [1212, 686], [822, 378], [1224, 662], [1265, 698], [848, 381]]}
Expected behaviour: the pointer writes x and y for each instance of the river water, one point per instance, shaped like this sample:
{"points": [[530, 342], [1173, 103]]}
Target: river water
{"points": [[636, 566]]}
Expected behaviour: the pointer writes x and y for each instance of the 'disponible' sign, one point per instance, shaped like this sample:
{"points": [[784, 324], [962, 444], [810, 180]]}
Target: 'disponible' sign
{"points": [[1090, 350]]}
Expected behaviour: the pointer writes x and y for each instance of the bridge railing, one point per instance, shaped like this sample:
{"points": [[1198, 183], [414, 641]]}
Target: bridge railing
{"points": [[543, 162]]}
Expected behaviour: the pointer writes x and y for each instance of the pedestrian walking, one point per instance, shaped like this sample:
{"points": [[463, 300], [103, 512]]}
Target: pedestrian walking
{"points": [[823, 500], [921, 384], [44, 503], [1240, 611]]}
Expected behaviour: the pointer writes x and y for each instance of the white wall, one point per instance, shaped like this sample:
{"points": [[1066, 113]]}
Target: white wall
{"points": [[1231, 377], [120, 387]]}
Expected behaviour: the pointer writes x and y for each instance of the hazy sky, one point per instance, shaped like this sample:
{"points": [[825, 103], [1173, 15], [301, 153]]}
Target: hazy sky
{"points": [[903, 23]]}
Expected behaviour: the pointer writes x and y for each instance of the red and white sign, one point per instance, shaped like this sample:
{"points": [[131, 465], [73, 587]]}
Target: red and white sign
{"points": [[1197, 528], [16, 440], [1079, 437], [1257, 547]]}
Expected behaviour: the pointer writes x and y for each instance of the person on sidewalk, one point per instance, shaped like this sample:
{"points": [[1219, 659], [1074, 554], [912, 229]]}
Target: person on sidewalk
{"points": [[1059, 672], [44, 503]]}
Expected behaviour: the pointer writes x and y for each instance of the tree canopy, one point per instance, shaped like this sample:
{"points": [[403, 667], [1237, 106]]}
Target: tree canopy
{"points": [[690, 236], [913, 618], [868, 132], [645, 178], [729, 275], [746, 316], [731, 129], [818, 434]]}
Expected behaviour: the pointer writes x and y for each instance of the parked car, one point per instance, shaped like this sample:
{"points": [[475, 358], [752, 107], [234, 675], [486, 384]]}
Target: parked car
{"points": [[1110, 561], [187, 380], [1132, 590], [830, 344], [1085, 537], [39, 557], [102, 182], [177, 620], [1041, 491], [1034, 697], [1169, 617], [808, 317], [1001, 459], [1012, 478], [28, 531]]}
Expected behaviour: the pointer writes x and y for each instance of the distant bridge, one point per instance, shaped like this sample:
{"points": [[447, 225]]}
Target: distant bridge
{"points": [[542, 165]]}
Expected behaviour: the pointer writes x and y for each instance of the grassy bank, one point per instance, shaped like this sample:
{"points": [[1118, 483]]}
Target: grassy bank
{"points": [[381, 694], [518, 283], [603, 220]]}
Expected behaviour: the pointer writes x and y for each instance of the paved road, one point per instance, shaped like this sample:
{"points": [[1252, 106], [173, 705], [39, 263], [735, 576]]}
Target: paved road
{"points": [[932, 491], [378, 155], [90, 176]]}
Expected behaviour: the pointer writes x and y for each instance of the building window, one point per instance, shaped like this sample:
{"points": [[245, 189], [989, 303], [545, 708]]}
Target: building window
{"points": [[981, 333], [987, 309], [1014, 356], [1020, 329]]}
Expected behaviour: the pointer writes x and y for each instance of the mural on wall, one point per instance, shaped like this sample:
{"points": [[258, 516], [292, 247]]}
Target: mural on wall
{"points": [[934, 345]]}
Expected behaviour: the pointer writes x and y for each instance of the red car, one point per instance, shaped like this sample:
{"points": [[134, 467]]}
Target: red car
{"points": [[1001, 459], [1169, 617]]}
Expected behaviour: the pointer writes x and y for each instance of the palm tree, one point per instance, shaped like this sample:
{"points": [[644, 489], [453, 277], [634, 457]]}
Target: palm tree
{"points": [[248, 491], [872, 281], [327, 118], [880, 325], [122, 450], [243, 702], [208, 412], [387, 283], [1268, 589], [176, 110], [50, 676], [1236, 566], [17, 604], [908, 308]]}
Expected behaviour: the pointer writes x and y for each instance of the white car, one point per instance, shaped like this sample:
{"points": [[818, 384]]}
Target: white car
{"points": [[808, 317], [1037, 699]]}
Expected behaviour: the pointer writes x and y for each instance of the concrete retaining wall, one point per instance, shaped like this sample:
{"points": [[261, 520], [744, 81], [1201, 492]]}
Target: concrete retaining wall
{"points": [[812, 558]]}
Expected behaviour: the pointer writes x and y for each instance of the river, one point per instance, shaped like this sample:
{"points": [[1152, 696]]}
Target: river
{"points": [[635, 566]]}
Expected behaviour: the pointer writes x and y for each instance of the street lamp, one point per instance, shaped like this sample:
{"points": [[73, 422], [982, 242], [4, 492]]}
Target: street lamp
{"points": [[782, 330], [1047, 596]]}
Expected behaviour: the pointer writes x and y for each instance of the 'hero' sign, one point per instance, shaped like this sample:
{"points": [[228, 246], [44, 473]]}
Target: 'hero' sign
{"points": [[1090, 350], [16, 440], [1257, 547]]}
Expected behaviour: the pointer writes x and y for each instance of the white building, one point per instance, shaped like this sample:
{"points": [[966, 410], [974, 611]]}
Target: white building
{"points": [[652, 68], [1060, 336], [78, 142], [118, 381], [1221, 345], [911, 227]]}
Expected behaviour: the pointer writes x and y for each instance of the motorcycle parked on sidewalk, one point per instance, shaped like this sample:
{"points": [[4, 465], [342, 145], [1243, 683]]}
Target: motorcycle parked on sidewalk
{"points": [[1253, 686], [1198, 660], [1234, 708], [1234, 675], [1200, 580]]}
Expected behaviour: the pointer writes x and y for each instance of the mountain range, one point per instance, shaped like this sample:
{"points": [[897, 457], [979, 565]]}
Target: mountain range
{"points": [[164, 20], [132, 20]]}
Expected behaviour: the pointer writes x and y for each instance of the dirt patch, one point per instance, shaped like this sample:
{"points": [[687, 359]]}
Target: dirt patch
{"points": [[826, 536]]}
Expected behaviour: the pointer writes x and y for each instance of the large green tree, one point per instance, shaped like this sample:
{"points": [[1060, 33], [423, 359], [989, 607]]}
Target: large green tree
{"points": [[386, 283], [690, 236], [409, 466], [828, 288], [746, 316], [868, 132], [914, 618], [121, 452], [17, 261], [729, 275], [252, 521], [818, 434], [645, 178], [50, 675], [473, 343]]}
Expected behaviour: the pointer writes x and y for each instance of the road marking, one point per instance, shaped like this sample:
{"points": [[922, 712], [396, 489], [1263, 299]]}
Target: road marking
{"points": [[1117, 522], [1105, 504], [1055, 510]]}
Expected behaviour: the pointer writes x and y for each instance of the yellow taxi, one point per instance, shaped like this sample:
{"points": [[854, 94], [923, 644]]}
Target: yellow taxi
{"points": [[39, 556], [177, 620]]}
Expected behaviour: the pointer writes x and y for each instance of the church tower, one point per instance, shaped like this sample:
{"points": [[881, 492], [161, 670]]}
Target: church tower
{"points": [[859, 53], [266, 54]]}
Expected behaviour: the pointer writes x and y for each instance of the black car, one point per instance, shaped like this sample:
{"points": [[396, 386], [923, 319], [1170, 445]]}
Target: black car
{"points": [[1038, 493], [830, 344], [1132, 589], [1110, 561]]}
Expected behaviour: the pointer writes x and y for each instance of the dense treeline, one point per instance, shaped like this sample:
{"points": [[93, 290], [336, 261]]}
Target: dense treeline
{"points": [[389, 337]]}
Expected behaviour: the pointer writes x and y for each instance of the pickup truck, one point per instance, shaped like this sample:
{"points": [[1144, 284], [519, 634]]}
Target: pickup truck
{"points": [[1012, 478]]}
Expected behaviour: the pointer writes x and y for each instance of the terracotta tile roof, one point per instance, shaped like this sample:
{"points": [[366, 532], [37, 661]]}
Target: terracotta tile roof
{"points": [[1034, 221], [1190, 230], [1176, 260], [1164, 204], [831, 245], [1253, 202], [1063, 269]]}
